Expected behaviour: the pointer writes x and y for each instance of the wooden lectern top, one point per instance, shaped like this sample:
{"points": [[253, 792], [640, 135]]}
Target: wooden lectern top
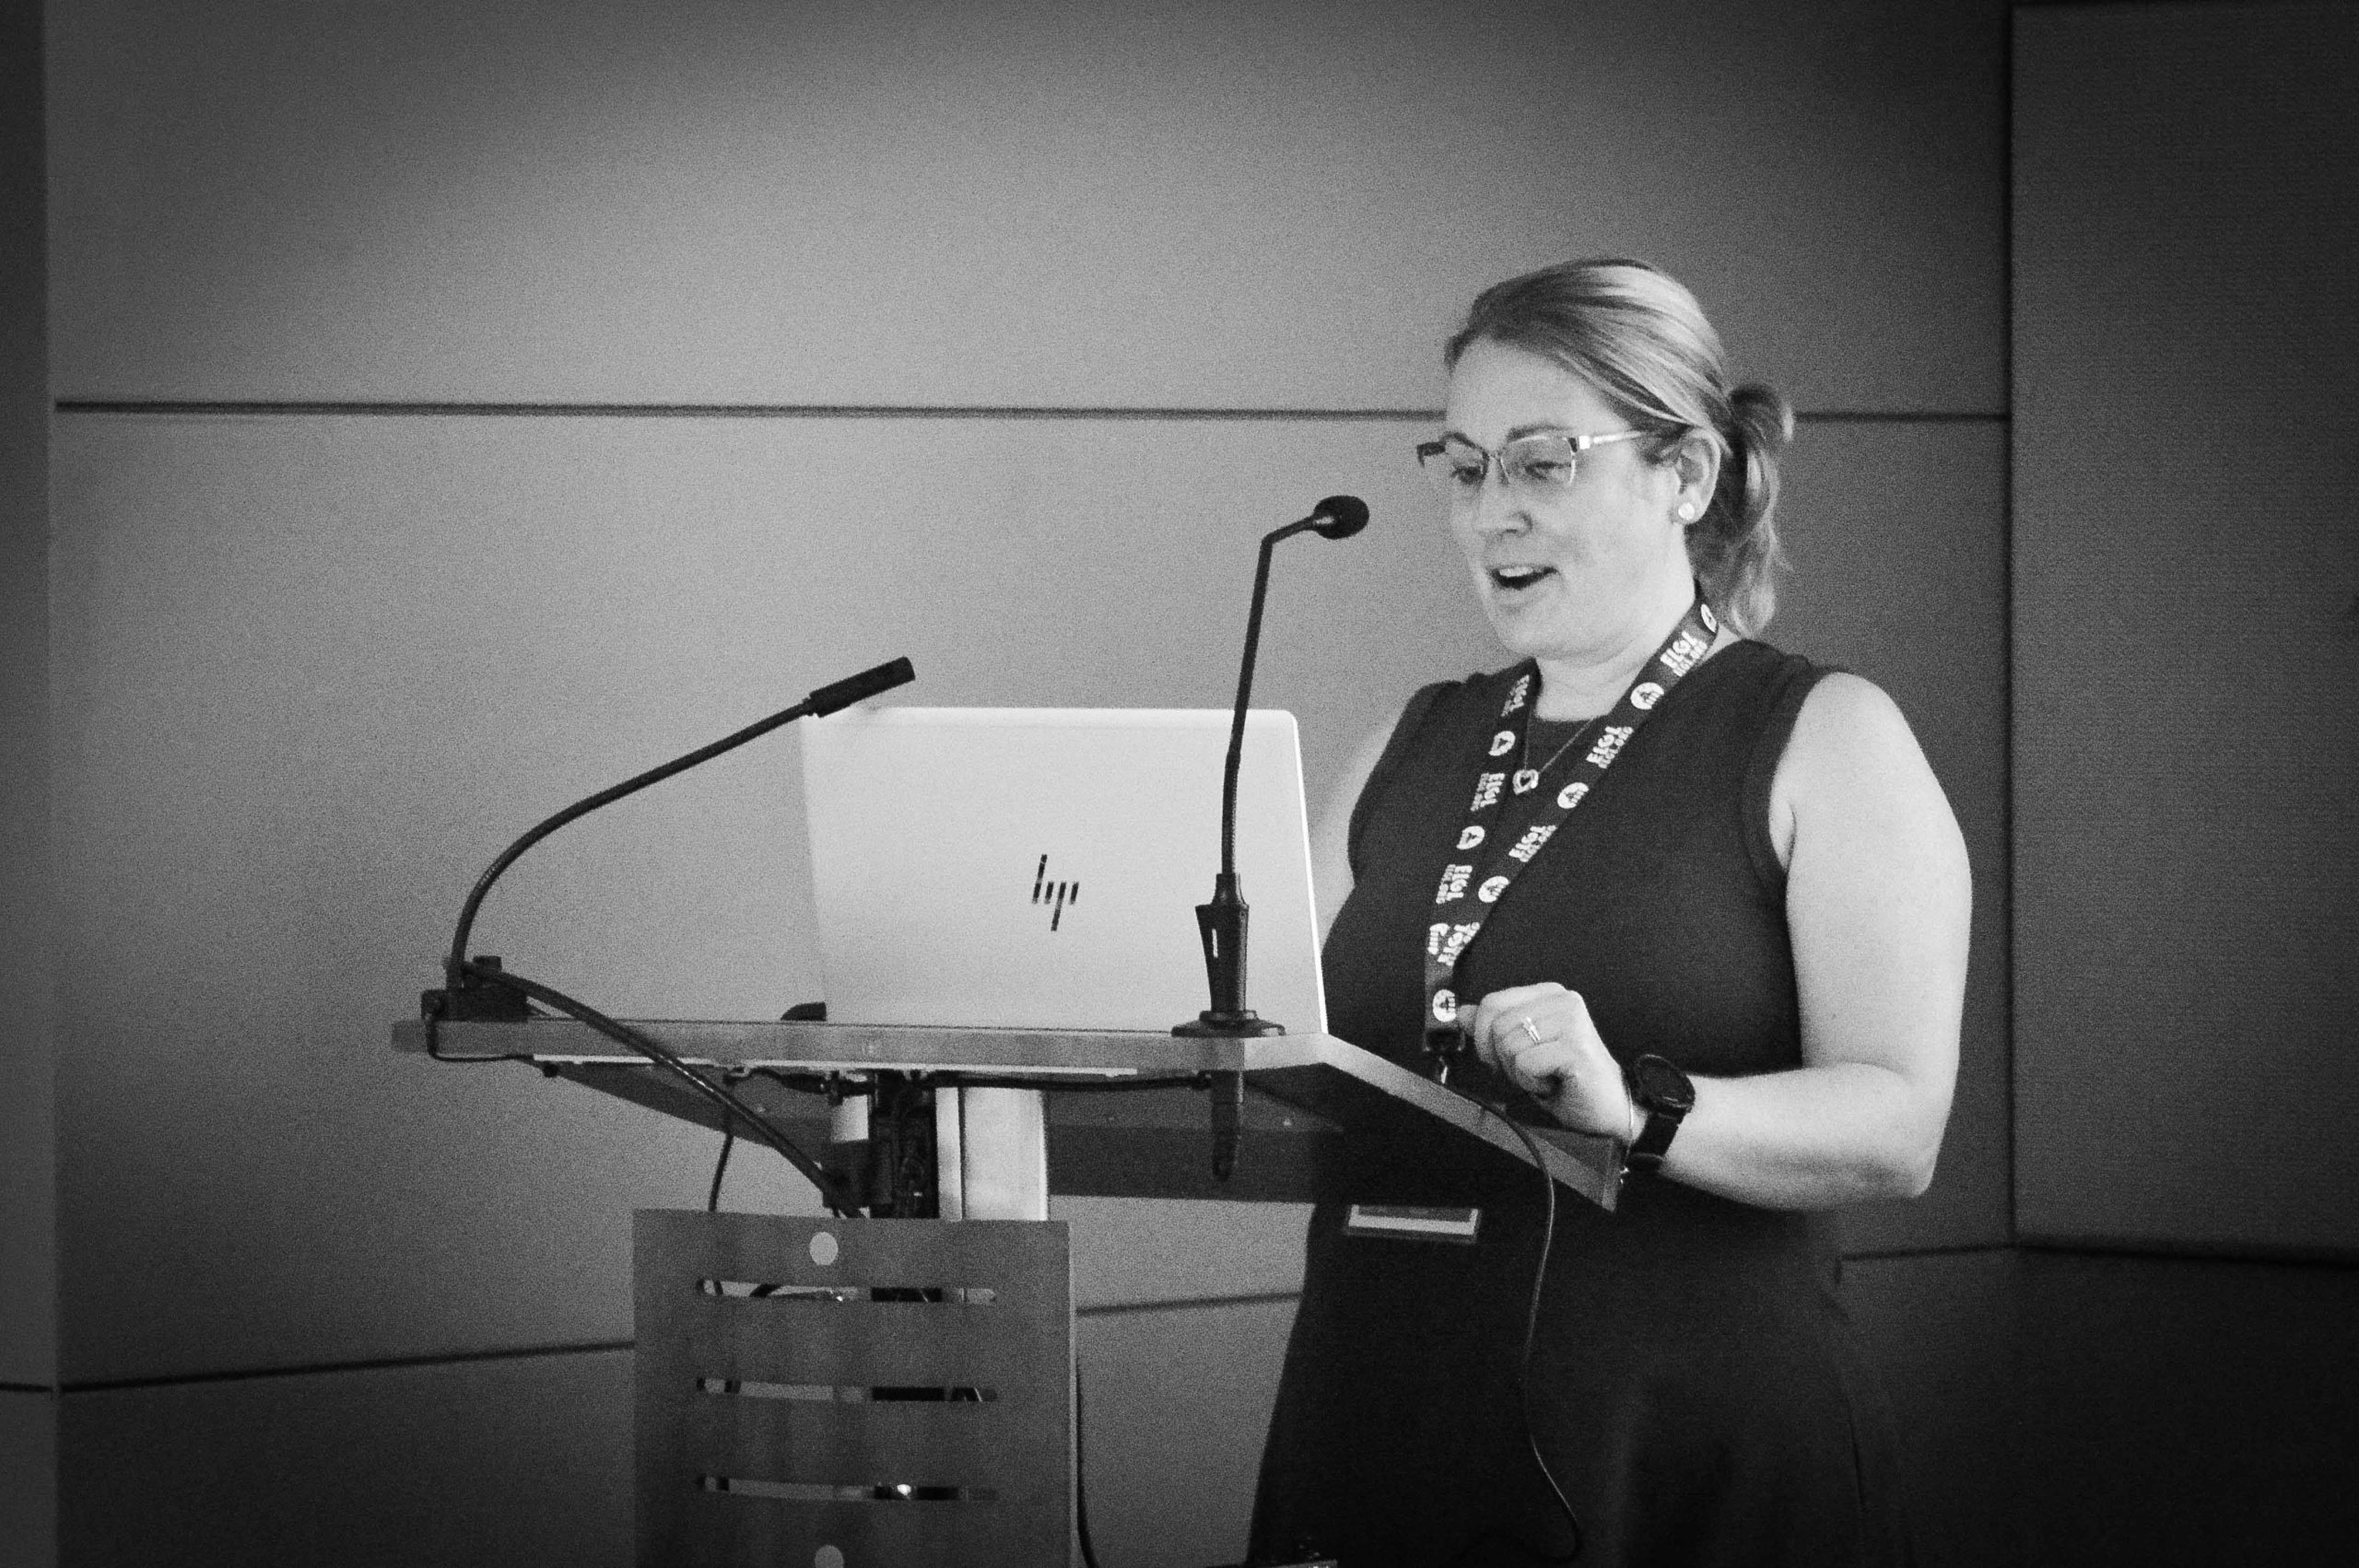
{"points": [[1308, 1085]]}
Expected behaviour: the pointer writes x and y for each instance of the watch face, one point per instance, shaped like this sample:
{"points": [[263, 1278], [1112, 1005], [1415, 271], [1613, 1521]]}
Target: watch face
{"points": [[1662, 1087]]}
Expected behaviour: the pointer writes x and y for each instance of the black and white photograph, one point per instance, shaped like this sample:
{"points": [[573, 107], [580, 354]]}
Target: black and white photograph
{"points": [[1179, 783]]}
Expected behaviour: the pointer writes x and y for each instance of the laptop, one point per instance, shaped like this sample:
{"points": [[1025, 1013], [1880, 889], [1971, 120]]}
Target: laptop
{"points": [[1040, 867]]}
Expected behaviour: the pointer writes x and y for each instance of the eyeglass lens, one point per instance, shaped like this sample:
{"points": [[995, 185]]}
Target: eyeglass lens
{"points": [[1544, 461]]}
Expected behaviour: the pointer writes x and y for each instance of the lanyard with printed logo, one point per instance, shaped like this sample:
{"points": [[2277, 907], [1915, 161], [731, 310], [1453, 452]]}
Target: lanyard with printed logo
{"points": [[1512, 816]]}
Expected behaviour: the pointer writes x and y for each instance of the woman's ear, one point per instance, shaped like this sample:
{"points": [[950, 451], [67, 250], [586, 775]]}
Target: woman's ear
{"points": [[1697, 465]]}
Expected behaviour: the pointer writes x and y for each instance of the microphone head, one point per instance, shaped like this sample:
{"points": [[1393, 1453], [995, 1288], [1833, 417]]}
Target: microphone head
{"points": [[858, 688], [1339, 517]]}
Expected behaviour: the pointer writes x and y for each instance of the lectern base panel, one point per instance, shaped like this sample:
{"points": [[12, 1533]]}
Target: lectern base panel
{"points": [[852, 1392]]}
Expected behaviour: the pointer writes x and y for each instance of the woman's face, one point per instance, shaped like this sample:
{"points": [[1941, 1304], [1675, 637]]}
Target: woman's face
{"points": [[1582, 572]]}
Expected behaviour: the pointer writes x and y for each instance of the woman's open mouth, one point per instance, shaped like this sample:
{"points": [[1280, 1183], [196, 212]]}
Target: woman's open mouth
{"points": [[1515, 579]]}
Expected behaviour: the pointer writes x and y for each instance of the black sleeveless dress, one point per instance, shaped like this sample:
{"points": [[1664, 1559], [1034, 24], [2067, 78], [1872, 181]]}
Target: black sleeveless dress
{"points": [[1692, 1382]]}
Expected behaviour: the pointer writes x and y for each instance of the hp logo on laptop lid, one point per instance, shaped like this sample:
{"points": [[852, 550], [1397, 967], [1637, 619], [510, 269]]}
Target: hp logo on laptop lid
{"points": [[1056, 894]]}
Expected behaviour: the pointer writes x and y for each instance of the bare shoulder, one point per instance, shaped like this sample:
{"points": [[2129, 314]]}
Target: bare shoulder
{"points": [[1848, 720], [1853, 770]]}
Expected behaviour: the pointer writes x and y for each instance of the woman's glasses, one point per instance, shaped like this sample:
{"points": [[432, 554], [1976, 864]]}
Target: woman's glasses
{"points": [[1534, 466]]}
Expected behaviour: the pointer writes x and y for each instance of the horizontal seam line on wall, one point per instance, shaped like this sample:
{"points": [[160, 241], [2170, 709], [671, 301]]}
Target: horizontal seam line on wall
{"points": [[2193, 1252], [104, 1385], [28, 1387], [861, 411], [388, 1363], [1894, 416], [1116, 1309], [731, 410], [1952, 1249]]}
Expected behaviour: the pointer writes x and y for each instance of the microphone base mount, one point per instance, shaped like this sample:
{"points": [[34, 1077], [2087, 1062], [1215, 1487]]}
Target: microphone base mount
{"points": [[470, 1000], [1243, 1025]]}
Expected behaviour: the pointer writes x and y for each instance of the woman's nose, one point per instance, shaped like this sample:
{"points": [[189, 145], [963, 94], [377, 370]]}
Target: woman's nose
{"points": [[1496, 507]]}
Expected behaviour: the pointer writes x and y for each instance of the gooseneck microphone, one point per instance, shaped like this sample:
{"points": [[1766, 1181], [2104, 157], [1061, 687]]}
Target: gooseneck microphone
{"points": [[480, 989], [1222, 922], [818, 705]]}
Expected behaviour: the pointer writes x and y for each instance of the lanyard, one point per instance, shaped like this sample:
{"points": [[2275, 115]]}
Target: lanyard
{"points": [[1511, 815]]}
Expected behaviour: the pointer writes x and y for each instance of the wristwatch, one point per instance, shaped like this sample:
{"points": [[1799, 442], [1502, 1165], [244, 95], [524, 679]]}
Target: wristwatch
{"points": [[1666, 1094]]}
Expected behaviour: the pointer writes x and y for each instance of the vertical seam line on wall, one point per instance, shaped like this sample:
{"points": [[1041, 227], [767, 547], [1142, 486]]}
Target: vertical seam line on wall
{"points": [[2007, 604]]}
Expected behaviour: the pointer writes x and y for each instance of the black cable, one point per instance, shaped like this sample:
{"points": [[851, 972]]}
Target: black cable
{"points": [[831, 1084], [460, 971], [1523, 1363], [1080, 1489], [719, 1094], [956, 1078], [810, 1083], [1531, 1336], [720, 1169]]}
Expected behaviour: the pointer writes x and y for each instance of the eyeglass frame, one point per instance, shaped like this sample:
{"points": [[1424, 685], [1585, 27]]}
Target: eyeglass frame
{"points": [[1580, 445]]}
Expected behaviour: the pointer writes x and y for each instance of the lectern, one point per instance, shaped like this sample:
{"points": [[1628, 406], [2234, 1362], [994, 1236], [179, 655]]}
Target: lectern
{"points": [[854, 1393]]}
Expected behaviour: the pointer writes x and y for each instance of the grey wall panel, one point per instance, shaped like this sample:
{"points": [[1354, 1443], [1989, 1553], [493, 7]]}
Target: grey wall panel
{"points": [[1897, 536], [1130, 1252], [28, 1207], [523, 1461], [313, 674], [1175, 1404], [2184, 1411], [2187, 626], [28, 1478], [1942, 1330], [1032, 202]]}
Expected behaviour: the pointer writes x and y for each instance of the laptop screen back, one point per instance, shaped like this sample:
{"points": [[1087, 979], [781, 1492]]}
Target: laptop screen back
{"points": [[1040, 867]]}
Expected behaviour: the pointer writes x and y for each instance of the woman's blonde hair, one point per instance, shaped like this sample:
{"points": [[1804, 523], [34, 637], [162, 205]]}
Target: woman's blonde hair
{"points": [[1636, 334]]}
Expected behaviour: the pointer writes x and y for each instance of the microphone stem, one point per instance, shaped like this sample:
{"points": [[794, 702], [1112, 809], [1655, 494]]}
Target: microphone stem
{"points": [[1221, 924], [1244, 699], [581, 808], [824, 701]]}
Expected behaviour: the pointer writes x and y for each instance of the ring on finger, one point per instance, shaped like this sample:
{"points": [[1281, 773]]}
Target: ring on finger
{"points": [[1531, 1029]]}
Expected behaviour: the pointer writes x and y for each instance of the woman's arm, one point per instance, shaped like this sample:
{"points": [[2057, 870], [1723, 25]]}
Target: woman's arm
{"points": [[1878, 898]]}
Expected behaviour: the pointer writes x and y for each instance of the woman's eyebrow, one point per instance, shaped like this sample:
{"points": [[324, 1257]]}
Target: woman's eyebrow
{"points": [[1516, 434]]}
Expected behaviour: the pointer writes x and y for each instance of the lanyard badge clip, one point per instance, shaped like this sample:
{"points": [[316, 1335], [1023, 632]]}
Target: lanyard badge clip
{"points": [[1446, 1045]]}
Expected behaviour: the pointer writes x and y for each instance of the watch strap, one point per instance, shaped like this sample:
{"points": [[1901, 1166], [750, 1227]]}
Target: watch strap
{"points": [[1664, 1116], [1646, 1154]]}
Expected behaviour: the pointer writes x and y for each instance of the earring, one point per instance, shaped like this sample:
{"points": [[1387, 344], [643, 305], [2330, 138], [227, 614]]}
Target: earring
{"points": [[1687, 511]]}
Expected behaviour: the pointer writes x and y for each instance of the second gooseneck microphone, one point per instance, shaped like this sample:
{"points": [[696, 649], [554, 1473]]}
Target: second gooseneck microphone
{"points": [[468, 996], [1222, 922]]}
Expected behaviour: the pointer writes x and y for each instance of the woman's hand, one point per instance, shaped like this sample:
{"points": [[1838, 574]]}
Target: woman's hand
{"points": [[1541, 1039]]}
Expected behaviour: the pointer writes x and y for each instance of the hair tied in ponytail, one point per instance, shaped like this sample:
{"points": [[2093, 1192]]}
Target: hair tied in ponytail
{"points": [[1638, 335]]}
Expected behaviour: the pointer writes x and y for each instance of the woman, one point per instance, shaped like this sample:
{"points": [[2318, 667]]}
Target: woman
{"points": [[1672, 886]]}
